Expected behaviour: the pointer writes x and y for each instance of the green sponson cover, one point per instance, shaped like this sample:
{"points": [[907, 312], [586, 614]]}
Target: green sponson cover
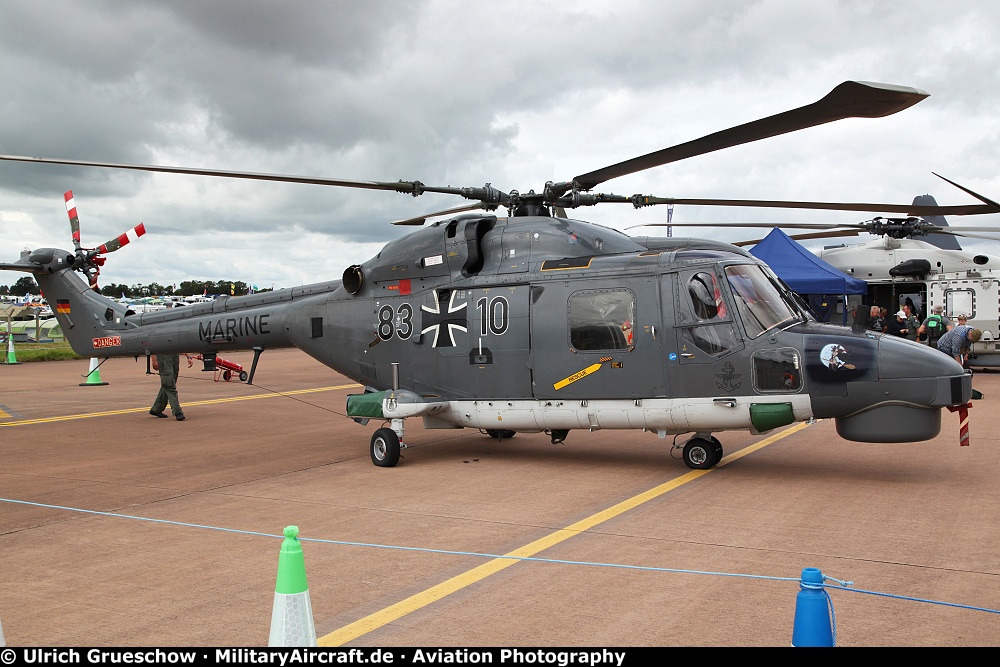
{"points": [[766, 416], [365, 405]]}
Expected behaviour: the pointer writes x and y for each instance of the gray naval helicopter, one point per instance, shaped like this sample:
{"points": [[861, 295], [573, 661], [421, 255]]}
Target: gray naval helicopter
{"points": [[536, 322]]}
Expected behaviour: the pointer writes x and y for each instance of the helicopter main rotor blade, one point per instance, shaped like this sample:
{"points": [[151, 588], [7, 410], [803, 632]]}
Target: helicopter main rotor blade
{"points": [[487, 193], [949, 228], [851, 99], [967, 190], [421, 219], [968, 235]]}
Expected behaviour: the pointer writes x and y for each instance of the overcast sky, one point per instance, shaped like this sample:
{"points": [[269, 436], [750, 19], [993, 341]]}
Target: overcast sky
{"points": [[462, 93]]}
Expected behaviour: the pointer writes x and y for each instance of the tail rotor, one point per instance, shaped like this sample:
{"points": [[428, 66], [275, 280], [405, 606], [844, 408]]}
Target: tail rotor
{"points": [[90, 260]]}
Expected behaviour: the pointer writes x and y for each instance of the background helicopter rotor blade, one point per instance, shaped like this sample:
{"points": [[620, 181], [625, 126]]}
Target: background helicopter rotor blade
{"points": [[898, 228], [967, 190], [910, 209], [803, 237], [768, 225], [967, 235], [949, 229], [851, 99]]}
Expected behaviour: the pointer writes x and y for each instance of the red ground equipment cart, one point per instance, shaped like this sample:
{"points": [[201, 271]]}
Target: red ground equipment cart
{"points": [[225, 369]]}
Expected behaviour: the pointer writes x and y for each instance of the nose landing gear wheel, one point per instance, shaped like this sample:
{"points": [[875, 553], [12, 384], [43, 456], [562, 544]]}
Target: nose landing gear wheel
{"points": [[385, 448], [701, 454]]}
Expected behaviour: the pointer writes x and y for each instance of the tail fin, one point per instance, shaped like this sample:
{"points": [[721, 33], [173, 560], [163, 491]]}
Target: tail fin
{"points": [[943, 241], [93, 324]]}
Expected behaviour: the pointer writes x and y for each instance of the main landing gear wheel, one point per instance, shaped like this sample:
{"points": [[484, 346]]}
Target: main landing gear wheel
{"points": [[500, 434], [701, 454], [718, 451], [385, 448]]}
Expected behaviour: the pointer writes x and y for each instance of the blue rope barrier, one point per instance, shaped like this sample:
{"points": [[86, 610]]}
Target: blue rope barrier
{"points": [[841, 585]]}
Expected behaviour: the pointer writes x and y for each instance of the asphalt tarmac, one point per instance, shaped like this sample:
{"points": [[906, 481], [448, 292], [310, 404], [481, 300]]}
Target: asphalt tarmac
{"points": [[120, 529]]}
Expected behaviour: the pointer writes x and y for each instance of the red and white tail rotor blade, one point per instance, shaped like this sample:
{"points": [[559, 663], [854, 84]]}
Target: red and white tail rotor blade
{"points": [[123, 240], [74, 219]]}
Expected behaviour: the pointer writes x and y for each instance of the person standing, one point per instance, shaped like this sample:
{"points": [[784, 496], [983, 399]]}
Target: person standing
{"points": [[897, 325], [875, 320], [935, 326], [912, 322], [168, 366]]}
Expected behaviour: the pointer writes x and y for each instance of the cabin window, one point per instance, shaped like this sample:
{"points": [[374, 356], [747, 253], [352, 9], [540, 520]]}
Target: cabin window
{"points": [[777, 370], [713, 340], [706, 296], [960, 302], [602, 320]]}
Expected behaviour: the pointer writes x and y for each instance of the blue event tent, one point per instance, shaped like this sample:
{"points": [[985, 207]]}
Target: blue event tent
{"points": [[803, 271]]}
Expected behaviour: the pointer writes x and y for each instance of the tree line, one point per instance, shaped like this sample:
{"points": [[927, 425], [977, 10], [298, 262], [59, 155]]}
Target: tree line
{"points": [[27, 285]]}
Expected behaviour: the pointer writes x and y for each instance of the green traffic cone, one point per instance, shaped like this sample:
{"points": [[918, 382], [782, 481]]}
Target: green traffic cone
{"points": [[291, 617], [11, 357], [94, 376]]}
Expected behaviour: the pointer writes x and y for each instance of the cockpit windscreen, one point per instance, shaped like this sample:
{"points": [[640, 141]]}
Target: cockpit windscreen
{"points": [[758, 301]]}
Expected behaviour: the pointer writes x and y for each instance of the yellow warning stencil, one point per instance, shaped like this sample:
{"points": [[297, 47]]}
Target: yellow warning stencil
{"points": [[576, 376]]}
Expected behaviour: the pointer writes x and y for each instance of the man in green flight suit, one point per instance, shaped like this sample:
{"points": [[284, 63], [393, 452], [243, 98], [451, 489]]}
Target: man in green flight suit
{"points": [[168, 366]]}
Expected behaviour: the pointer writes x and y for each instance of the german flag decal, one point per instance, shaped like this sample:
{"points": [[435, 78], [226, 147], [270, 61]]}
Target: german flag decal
{"points": [[62, 306]]}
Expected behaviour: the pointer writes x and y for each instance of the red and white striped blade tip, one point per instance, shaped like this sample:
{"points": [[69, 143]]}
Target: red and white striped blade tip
{"points": [[124, 239]]}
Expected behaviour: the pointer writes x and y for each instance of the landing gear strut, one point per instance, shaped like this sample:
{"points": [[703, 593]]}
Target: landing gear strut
{"points": [[557, 435]]}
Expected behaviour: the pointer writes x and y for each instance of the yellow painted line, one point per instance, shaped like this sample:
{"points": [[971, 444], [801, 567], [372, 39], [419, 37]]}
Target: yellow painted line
{"points": [[4, 413], [213, 401], [445, 588]]}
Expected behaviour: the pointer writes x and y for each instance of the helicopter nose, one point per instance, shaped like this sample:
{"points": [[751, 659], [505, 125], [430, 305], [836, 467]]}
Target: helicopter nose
{"points": [[901, 360], [904, 404]]}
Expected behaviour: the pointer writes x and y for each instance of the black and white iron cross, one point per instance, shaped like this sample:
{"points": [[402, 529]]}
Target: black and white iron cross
{"points": [[443, 324]]}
